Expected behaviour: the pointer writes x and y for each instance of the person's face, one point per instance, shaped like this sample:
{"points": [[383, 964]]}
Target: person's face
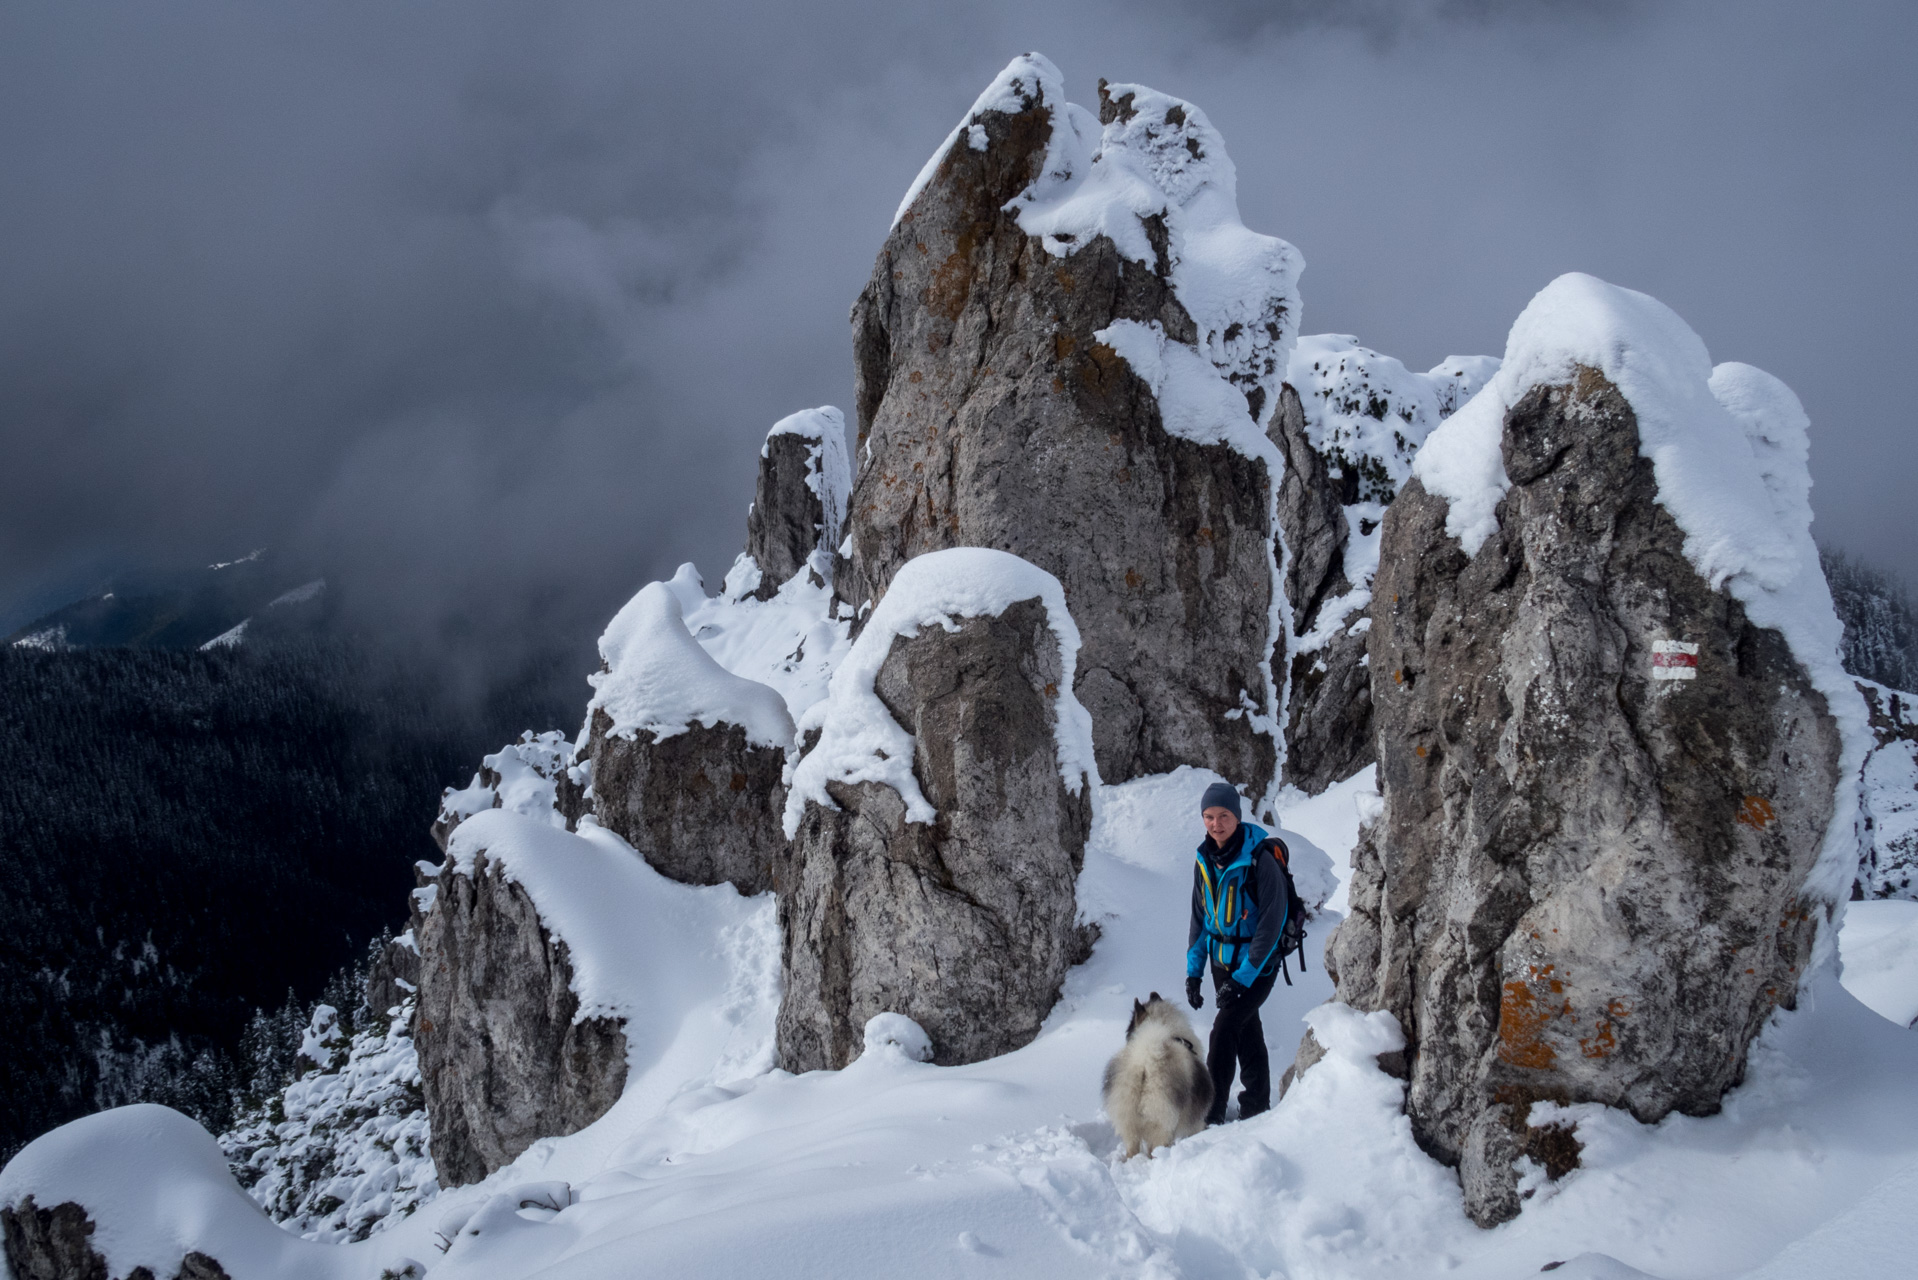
{"points": [[1219, 824]]}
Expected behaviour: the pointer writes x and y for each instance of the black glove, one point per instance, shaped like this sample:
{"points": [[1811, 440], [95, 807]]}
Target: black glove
{"points": [[1230, 993], [1192, 996]]}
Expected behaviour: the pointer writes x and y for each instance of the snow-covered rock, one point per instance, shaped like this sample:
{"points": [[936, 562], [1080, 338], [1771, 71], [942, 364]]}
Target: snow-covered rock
{"points": [[799, 504], [1067, 350], [940, 820], [1880, 951], [522, 777], [685, 756], [1366, 414], [1617, 753], [1889, 865], [1349, 424]]}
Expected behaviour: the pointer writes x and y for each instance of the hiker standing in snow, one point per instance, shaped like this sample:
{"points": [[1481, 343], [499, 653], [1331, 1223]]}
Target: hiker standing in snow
{"points": [[1240, 907]]}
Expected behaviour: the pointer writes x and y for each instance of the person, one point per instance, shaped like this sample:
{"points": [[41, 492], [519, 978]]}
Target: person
{"points": [[1238, 914]]}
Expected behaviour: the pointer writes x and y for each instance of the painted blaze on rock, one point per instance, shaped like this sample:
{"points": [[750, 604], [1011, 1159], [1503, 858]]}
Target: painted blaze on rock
{"points": [[1586, 882], [991, 414]]}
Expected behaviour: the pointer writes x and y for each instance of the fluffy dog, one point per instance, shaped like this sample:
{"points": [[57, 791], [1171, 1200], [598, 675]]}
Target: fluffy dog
{"points": [[1156, 1087]]}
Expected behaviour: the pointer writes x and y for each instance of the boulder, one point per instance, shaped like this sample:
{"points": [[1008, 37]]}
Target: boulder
{"points": [[940, 821], [1604, 669], [503, 1060], [1070, 361], [799, 502], [685, 757], [137, 1193]]}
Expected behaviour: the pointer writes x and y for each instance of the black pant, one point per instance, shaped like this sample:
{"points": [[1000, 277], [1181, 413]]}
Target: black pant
{"points": [[1238, 1040]]}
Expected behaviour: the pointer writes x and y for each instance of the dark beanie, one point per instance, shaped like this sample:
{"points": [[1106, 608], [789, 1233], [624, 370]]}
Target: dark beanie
{"points": [[1220, 795]]}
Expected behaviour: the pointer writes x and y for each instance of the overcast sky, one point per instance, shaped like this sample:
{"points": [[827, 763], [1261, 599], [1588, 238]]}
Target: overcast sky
{"points": [[486, 306]]}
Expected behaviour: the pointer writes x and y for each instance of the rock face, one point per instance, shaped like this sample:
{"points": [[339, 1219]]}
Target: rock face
{"points": [[1585, 884], [685, 757], [1889, 867], [56, 1244], [394, 974], [966, 924], [501, 1059], [995, 415], [799, 501], [1348, 424], [1328, 719], [702, 805]]}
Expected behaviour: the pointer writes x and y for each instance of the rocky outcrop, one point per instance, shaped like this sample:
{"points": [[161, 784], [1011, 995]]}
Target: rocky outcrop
{"points": [[995, 408], [963, 917], [1328, 717], [394, 974], [524, 777], [1889, 865], [1588, 883], [1348, 433], [799, 501], [51, 1244], [702, 805], [502, 1061], [56, 1244], [685, 757]]}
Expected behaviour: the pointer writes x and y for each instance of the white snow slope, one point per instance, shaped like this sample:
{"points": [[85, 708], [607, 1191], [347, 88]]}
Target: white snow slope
{"points": [[712, 1164]]}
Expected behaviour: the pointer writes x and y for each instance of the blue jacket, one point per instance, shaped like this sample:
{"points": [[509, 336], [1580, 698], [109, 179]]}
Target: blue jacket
{"points": [[1230, 889]]}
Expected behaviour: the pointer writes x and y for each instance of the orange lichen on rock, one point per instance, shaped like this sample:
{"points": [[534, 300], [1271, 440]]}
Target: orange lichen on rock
{"points": [[1522, 1017], [1756, 812]]}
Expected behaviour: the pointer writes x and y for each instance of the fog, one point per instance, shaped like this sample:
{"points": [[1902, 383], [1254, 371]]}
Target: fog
{"points": [[485, 307]]}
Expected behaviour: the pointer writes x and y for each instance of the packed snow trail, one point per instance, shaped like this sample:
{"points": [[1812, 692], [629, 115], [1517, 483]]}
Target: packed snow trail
{"points": [[712, 1162]]}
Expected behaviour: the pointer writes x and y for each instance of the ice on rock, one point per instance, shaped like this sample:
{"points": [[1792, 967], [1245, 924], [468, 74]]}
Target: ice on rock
{"points": [[1161, 187], [1025, 81]]}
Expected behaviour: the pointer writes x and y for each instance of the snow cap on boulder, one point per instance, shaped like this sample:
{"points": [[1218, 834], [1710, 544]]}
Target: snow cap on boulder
{"points": [[859, 739], [658, 678]]}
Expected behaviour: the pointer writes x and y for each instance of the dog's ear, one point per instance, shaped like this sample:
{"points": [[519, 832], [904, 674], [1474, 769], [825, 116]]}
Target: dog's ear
{"points": [[1138, 1007], [1155, 996]]}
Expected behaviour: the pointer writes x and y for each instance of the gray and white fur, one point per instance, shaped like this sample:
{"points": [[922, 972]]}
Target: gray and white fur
{"points": [[1156, 1087]]}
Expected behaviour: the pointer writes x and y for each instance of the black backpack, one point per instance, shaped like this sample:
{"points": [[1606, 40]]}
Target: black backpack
{"points": [[1292, 936]]}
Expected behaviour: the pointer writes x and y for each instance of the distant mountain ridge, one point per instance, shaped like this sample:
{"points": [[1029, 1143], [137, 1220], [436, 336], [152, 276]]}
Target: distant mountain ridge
{"points": [[183, 609]]}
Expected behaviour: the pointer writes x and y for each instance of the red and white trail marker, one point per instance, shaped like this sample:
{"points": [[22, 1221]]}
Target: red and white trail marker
{"points": [[1674, 660]]}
